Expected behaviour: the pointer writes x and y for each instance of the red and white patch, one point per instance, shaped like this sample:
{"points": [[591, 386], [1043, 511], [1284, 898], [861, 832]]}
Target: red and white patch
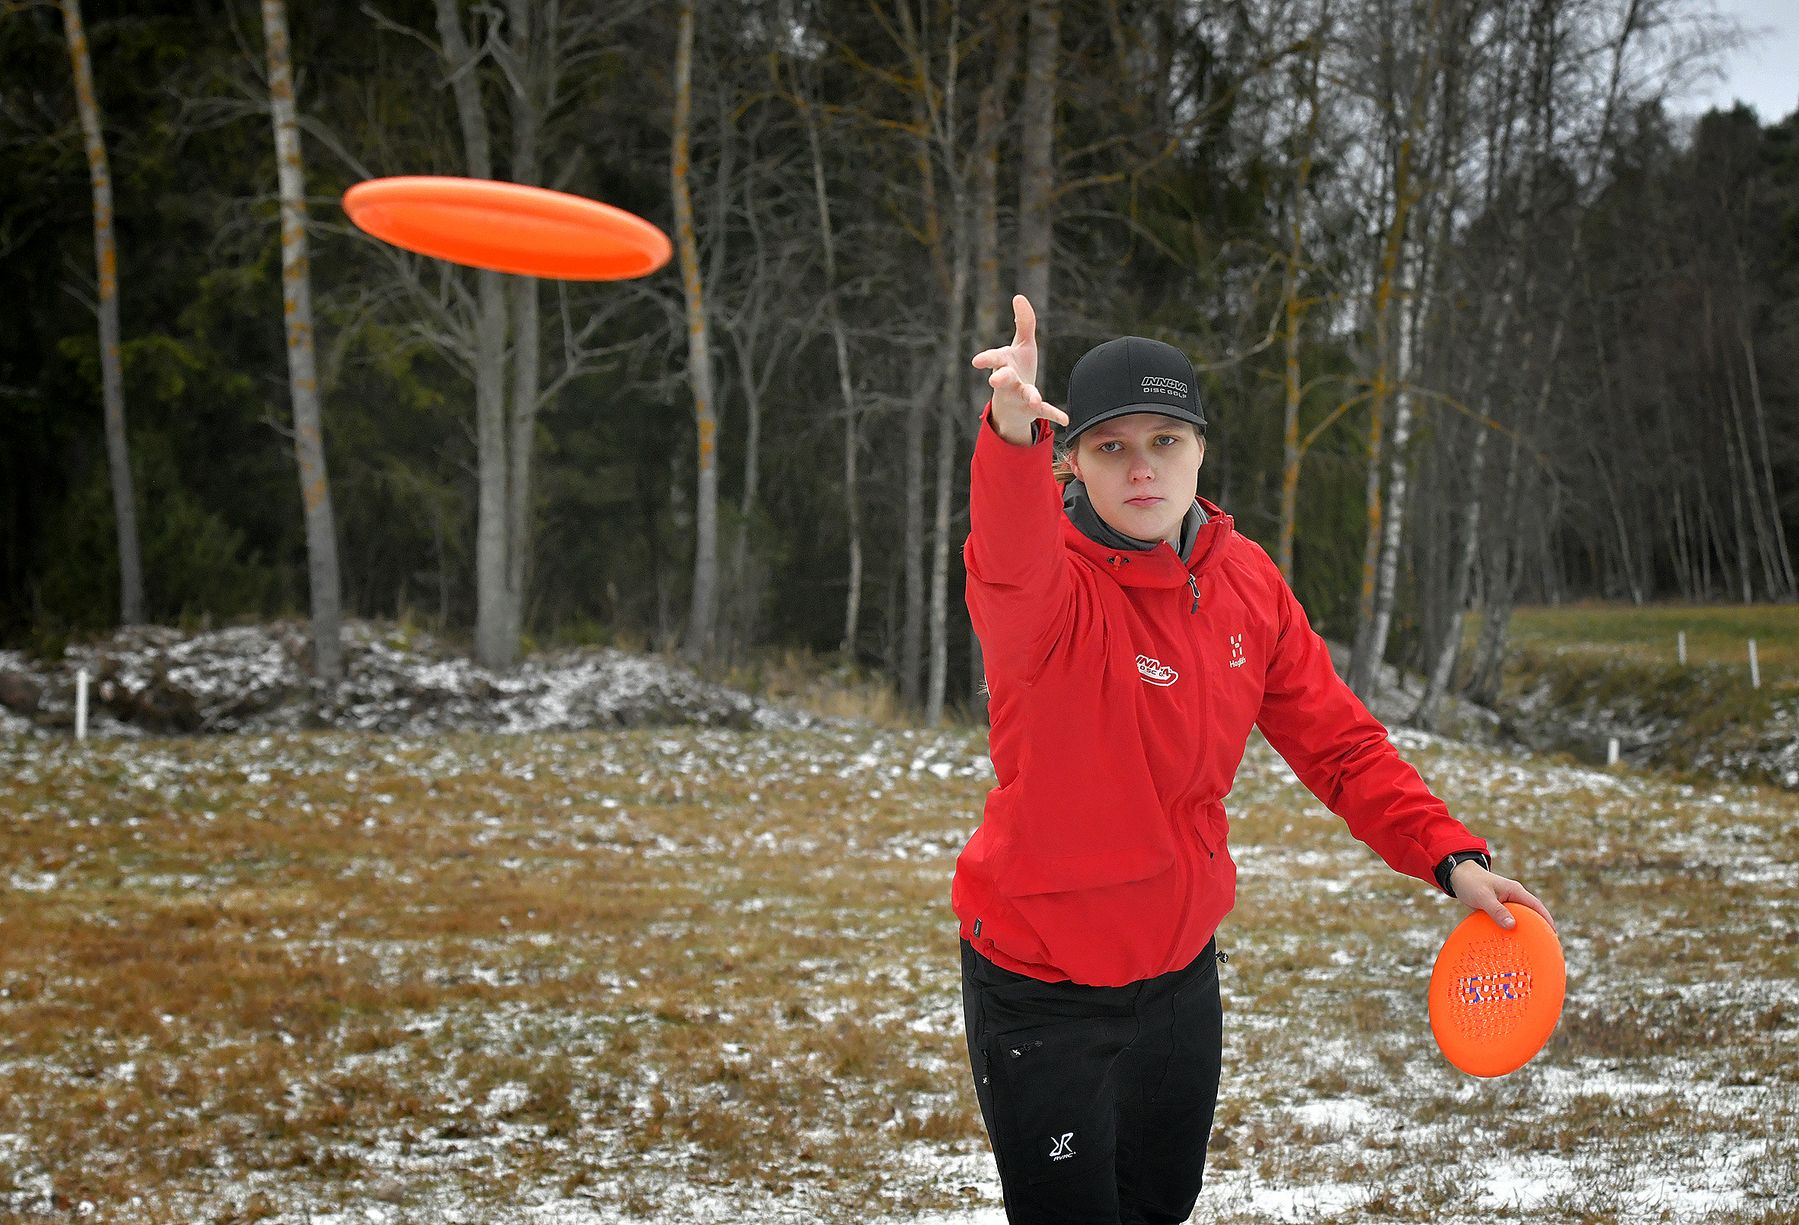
{"points": [[1155, 671]]}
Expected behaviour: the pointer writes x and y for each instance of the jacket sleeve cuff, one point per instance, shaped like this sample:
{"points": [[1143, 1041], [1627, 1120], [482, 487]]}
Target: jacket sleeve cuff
{"points": [[1039, 430]]}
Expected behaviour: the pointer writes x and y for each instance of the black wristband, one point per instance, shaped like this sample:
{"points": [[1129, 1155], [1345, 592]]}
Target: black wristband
{"points": [[1451, 860]]}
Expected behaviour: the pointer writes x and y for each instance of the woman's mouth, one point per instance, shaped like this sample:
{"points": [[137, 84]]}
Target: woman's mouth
{"points": [[1145, 500]]}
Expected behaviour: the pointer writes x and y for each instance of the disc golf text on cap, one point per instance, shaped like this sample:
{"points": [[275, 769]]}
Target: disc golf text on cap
{"points": [[508, 227], [1496, 995]]}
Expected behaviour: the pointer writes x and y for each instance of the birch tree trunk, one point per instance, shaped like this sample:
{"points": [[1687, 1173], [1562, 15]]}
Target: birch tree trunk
{"points": [[912, 579], [1363, 669], [1391, 299], [938, 118], [1449, 649], [702, 610], [302, 366], [948, 430], [530, 54], [496, 642], [852, 499], [1037, 164], [1789, 583], [1398, 472], [1293, 309], [112, 378], [989, 124]]}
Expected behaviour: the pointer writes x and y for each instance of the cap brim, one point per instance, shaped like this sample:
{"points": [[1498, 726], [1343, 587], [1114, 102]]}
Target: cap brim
{"points": [[1125, 410]]}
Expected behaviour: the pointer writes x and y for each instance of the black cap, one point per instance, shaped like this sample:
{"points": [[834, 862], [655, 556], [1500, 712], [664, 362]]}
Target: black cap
{"points": [[1132, 374]]}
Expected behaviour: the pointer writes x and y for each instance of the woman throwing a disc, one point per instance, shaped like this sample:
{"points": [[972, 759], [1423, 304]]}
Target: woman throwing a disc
{"points": [[1132, 639]]}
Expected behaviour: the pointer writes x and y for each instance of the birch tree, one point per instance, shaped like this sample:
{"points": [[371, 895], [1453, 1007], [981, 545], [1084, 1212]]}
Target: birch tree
{"points": [[1556, 56], [106, 268], [990, 117], [1037, 160], [936, 117], [1407, 110], [494, 334], [848, 408], [703, 607], [303, 383]]}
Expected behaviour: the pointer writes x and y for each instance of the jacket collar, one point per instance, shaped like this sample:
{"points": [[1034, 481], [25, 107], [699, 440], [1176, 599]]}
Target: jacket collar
{"points": [[1160, 566]]}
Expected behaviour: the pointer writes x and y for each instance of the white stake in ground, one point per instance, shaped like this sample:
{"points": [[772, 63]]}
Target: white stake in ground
{"points": [[1683, 648], [1755, 668], [81, 704]]}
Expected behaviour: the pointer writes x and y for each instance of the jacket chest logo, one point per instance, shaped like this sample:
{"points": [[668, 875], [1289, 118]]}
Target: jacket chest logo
{"points": [[1155, 671], [1236, 651]]}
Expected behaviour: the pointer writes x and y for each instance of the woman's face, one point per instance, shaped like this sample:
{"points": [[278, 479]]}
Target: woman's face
{"points": [[1141, 471]]}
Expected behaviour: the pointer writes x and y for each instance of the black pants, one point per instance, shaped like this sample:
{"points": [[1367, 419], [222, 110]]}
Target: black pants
{"points": [[1098, 1100]]}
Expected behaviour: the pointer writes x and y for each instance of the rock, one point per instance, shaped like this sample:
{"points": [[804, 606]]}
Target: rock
{"points": [[20, 692]]}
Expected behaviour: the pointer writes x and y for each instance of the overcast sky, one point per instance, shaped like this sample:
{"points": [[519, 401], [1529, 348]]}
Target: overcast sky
{"points": [[1764, 72]]}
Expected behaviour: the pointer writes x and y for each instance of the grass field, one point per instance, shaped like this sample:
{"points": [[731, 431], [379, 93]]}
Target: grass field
{"points": [[1716, 634], [699, 976]]}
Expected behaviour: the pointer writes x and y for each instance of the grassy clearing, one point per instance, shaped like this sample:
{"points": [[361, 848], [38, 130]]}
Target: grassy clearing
{"points": [[1582, 675], [1716, 635], [711, 976]]}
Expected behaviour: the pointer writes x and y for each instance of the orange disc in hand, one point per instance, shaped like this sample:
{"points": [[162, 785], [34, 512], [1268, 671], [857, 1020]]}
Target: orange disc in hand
{"points": [[1495, 995], [508, 227]]}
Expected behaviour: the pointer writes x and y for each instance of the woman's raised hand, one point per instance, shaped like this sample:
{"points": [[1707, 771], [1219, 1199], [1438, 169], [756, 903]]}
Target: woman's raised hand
{"points": [[1016, 401]]}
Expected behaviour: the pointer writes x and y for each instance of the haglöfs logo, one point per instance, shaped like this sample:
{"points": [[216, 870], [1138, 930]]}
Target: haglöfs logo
{"points": [[1155, 671]]}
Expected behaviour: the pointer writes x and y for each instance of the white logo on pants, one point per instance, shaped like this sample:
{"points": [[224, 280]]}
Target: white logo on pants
{"points": [[1061, 1151]]}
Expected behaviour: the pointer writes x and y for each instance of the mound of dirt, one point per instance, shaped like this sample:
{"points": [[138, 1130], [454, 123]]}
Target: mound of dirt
{"points": [[153, 680]]}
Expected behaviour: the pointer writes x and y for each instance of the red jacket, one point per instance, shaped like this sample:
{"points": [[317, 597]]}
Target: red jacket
{"points": [[1123, 689]]}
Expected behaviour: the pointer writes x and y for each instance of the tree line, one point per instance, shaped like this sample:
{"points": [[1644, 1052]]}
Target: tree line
{"points": [[1479, 322]]}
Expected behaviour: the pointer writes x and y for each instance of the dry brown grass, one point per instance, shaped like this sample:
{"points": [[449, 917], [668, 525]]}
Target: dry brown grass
{"points": [[708, 976]]}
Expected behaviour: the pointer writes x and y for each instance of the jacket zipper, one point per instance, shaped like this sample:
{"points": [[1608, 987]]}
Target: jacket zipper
{"points": [[1204, 841]]}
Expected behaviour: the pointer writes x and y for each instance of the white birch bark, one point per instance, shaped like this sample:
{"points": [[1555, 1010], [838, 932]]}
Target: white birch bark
{"points": [[532, 76], [302, 366], [496, 643], [1037, 165], [852, 499], [702, 609], [112, 379]]}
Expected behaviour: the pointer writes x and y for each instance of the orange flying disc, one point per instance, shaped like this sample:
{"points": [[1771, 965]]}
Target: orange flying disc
{"points": [[1495, 995], [508, 227]]}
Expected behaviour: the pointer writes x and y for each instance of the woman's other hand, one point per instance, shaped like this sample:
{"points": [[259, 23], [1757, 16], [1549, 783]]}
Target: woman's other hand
{"points": [[1478, 889]]}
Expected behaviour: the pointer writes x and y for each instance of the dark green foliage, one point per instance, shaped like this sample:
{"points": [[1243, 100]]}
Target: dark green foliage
{"points": [[1175, 231]]}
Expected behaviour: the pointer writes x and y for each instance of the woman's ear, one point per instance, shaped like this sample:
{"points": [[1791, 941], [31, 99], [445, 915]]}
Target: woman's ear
{"points": [[1074, 462], [1202, 450]]}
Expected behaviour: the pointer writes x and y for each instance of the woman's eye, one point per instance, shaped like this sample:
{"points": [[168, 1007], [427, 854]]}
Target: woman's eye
{"points": [[1109, 447], [1166, 438]]}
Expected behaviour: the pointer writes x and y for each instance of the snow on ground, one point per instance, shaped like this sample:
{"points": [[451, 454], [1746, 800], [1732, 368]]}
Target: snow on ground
{"points": [[1335, 1107]]}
